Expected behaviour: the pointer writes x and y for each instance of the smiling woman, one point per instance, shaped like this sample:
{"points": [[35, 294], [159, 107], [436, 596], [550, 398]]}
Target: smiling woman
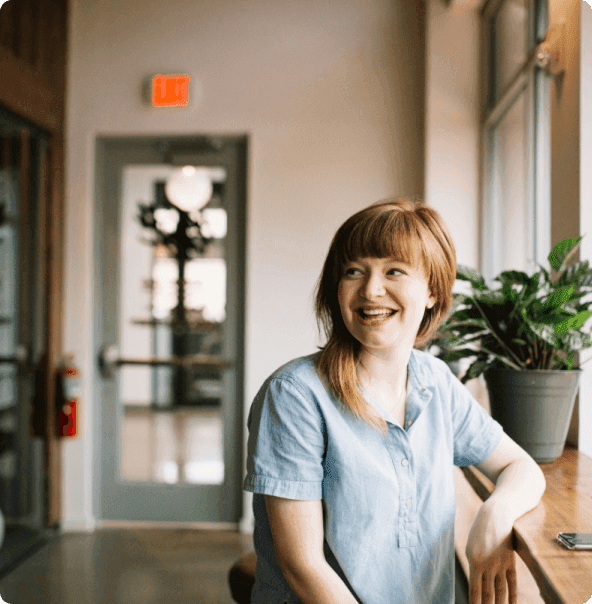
{"points": [[351, 450], [406, 249]]}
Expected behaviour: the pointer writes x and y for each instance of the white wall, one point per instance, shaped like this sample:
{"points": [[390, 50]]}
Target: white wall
{"points": [[452, 131], [331, 96], [452, 121]]}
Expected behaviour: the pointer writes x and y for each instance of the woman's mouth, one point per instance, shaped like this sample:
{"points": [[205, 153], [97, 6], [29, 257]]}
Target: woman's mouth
{"points": [[375, 315]]}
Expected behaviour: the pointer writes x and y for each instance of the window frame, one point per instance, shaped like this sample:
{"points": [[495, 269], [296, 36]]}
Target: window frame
{"points": [[531, 81]]}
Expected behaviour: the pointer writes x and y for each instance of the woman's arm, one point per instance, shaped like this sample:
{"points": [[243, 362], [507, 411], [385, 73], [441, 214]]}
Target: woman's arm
{"points": [[297, 532], [519, 486]]}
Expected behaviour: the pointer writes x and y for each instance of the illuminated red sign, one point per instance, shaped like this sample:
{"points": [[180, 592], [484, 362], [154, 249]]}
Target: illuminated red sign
{"points": [[170, 90]]}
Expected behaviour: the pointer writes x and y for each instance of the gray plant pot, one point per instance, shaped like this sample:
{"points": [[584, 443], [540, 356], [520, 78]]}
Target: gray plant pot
{"points": [[534, 407]]}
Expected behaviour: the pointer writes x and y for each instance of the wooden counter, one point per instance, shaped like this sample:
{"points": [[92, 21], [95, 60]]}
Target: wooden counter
{"points": [[563, 576]]}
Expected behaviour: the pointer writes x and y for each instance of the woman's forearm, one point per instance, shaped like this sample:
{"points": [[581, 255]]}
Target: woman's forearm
{"points": [[320, 584], [518, 490]]}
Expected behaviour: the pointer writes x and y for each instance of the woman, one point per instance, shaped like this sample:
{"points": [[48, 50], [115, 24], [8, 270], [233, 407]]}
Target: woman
{"points": [[351, 450]]}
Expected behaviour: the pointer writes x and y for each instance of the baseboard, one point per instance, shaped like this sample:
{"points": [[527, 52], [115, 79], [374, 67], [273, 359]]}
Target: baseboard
{"points": [[139, 524]]}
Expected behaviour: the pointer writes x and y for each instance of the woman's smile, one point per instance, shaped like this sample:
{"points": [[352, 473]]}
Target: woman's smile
{"points": [[374, 316]]}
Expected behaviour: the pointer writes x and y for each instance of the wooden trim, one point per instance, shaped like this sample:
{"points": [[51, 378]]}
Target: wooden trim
{"points": [[7, 17], [54, 325], [33, 54], [28, 95], [25, 265], [33, 45]]}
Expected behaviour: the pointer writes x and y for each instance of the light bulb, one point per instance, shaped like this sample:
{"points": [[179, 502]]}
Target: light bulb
{"points": [[189, 188]]}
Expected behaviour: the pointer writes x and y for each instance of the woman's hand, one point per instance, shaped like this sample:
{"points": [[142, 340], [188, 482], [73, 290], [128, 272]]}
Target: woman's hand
{"points": [[492, 561]]}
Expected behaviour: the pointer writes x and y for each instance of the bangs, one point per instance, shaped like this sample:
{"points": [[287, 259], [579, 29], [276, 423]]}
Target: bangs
{"points": [[383, 235]]}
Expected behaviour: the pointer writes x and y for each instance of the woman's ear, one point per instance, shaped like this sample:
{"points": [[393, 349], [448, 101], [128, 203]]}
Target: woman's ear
{"points": [[431, 301]]}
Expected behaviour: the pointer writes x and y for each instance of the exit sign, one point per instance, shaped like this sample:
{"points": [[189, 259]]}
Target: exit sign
{"points": [[170, 90]]}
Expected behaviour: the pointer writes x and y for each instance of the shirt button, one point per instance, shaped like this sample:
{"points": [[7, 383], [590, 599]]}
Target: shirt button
{"points": [[408, 503], [409, 422], [404, 463], [423, 389]]}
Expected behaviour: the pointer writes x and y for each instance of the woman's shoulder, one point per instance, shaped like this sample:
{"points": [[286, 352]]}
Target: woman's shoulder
{"points": [[428, 365], [302, 370], [296, 380]]}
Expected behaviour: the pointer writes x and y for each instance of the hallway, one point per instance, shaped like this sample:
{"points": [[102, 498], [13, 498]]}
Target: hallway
{"points": [[129, 566]]}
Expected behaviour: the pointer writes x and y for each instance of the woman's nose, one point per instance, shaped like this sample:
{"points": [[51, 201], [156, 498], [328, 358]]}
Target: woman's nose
{"points": [[373, 286]]}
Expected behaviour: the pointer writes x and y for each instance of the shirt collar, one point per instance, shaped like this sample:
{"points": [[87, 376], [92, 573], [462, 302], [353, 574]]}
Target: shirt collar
{"points": [[420, 389]]}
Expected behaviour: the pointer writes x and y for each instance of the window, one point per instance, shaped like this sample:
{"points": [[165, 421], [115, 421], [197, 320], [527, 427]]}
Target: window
{"points": [[516, 139]]}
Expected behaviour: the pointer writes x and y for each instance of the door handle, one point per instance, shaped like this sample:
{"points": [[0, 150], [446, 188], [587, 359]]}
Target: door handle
{"points": [[110, 360], [20, 357]]}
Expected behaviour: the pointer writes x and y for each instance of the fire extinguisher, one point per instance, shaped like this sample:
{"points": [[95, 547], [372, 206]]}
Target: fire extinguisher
{"points": [[68, 398]]}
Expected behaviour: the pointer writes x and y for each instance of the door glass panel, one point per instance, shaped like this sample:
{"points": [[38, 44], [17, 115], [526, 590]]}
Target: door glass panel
{"points": [[23, 309], [171, 424], [9, 221], [510, 35], [510, 156]]}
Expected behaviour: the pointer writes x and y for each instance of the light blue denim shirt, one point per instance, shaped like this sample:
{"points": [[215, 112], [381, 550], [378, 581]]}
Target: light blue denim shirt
{"points": [[388, 503]]}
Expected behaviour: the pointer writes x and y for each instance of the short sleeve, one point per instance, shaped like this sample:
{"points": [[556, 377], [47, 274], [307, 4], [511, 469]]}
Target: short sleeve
{"points": [[476, 433], [286, 444]]}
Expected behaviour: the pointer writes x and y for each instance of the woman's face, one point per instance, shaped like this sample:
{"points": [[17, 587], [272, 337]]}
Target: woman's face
{"points": [[383, 302]]}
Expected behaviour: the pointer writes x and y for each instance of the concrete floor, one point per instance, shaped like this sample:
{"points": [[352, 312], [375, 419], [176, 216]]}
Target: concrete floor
{"points": [[128, 566]]}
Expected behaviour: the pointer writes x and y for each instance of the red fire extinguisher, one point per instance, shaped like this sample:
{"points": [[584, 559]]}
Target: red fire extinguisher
{"points": [[68, 398]]}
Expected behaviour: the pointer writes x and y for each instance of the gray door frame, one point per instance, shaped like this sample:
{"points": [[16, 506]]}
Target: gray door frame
{"points": [[114, 499]]}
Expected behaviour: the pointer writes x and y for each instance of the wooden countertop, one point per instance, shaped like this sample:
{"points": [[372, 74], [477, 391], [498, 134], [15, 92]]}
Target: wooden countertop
{"points": [[562, 575]]}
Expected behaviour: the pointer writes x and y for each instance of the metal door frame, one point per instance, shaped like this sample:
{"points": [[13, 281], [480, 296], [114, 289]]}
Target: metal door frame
{"points": [[112, 154]]}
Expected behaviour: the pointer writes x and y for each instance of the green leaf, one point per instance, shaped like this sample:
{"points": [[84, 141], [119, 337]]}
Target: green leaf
{"points": [[573, 322], [544, 332], [555, 315], [558, 297], [475, 369], [563, 252], [464, 273], [461, 353], [491, 297], [578, 275], [517, 277], [509, 292], [543, 275]]}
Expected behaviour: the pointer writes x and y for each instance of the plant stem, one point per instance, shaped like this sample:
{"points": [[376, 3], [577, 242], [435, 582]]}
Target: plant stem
{"points": [[504, 360], [551, 358], [492, 331]]}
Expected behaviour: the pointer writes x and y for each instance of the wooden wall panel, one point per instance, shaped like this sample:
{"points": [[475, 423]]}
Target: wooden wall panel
{"points": [[33, 55], [54, 324], [7, 26], [33, 42]]}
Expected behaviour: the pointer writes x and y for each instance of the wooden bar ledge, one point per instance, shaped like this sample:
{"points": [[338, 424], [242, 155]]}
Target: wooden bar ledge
{"points": [[562, 575]]}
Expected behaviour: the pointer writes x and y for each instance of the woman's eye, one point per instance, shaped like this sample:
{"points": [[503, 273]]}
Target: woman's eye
{"points": [[396, 270], [352, 271]]}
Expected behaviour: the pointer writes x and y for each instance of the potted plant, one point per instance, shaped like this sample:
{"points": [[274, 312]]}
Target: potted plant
{"points": [[523, 336]]}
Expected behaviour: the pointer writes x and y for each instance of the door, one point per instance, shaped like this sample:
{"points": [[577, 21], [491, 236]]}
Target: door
{"points": [[170, 328], [23, 324]]}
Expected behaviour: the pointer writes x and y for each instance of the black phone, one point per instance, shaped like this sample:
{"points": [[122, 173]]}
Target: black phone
{"points": [[575, 540]]}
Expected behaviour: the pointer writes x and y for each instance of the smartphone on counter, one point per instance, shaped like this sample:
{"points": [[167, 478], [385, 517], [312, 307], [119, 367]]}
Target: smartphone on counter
{"points": [[575, 540]]}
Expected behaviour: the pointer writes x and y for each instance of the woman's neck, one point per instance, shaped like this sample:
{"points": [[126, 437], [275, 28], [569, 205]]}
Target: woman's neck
{"points": [[384, 370]]}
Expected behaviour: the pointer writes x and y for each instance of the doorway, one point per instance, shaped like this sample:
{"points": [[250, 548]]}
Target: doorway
{"points": [[169, 327], [24, 315]]}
